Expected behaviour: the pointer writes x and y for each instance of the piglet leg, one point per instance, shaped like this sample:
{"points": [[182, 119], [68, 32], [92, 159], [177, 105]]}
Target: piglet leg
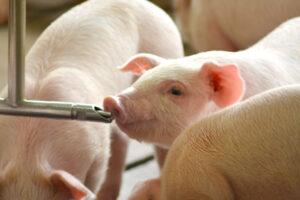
{"points": [[111, 186], [160, 155]]}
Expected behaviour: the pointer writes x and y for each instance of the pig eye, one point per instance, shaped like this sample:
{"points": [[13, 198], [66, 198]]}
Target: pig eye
{"points": [[175, 92]]}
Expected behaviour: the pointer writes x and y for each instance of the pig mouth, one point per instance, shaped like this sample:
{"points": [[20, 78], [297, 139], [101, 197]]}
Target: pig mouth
{"points": [[130, 127]]}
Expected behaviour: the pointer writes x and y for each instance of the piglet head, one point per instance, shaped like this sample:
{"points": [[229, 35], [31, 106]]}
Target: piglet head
{"points": [[167, 99]]}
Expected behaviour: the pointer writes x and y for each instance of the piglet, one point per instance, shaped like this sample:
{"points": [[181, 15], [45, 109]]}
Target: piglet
{"points": [[248, 151], [230, 24], [75, 60], [168, 99]]}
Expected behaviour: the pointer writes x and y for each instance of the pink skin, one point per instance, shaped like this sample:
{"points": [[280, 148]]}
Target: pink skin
{"points": [[66, 183], [211, 25], [118, 151], [251, 153], [157, 110], [59, 49], [143, 114], [210, 82]]}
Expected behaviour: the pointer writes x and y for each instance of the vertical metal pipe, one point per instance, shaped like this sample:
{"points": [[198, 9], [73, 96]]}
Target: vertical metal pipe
{"points": [[15, 103], [17, 24]]}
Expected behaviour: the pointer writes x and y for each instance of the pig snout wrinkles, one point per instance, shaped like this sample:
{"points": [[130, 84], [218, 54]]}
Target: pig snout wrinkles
{"points": [[112, 105]]}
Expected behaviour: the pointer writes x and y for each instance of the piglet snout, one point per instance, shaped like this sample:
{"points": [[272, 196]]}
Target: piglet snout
{"points": [[111, 104]]}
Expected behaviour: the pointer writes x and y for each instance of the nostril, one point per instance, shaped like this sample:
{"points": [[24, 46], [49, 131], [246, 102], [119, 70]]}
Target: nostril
{"points": [[115, 112]]}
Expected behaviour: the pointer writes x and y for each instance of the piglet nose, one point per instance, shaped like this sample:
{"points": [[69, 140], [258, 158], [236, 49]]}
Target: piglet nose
{"points": [[111, 104]]}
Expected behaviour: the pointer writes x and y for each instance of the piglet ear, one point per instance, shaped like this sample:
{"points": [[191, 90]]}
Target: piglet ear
{"points": [[65, 182], [140, 63], [224, 82]]}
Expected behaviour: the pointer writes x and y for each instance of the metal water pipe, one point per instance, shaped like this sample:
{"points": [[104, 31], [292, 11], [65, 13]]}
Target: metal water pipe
{"points": [[15, 104]]}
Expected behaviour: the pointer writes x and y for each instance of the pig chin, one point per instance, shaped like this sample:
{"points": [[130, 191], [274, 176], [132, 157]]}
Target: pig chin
{"points": [[137, 129], [149, 131]]}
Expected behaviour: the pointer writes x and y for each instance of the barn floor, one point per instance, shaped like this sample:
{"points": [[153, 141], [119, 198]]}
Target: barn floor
{"points": [[35, 25]]}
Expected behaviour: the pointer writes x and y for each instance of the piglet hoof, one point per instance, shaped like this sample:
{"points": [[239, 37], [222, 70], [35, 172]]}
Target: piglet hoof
{"points": [[147, 190]]}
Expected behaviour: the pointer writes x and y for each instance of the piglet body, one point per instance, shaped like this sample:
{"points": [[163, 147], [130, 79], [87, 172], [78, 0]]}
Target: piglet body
{"points": [[75, 60], [230, 24], [249, 151]]}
